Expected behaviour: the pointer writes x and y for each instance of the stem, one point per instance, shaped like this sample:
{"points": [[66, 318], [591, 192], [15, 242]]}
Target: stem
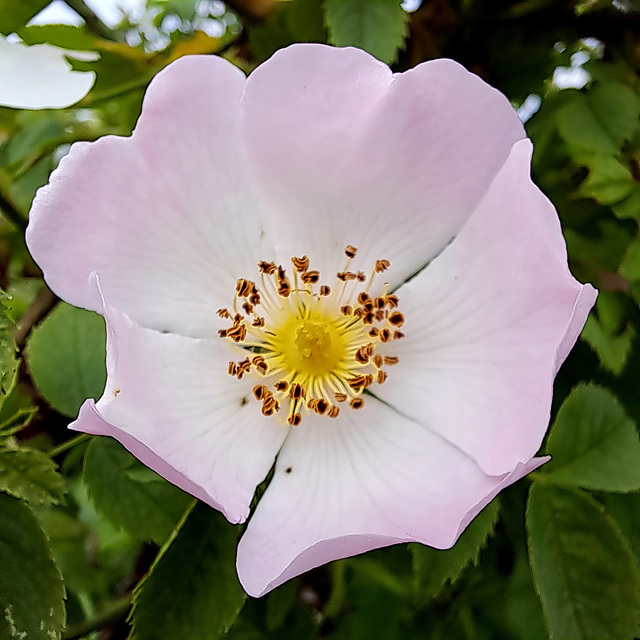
{"points": [[12, 213], [112, 613], [43, 303], [69, 444], [92, 21]]}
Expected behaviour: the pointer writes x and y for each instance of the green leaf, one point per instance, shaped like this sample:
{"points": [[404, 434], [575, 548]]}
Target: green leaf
{"points": [[579, 126], [15, 14], [377, 26], [65, 36], [16, 412], [617, 108], [593, 444], [192, 591], [630, 206], [66, 355], [305, 20], [630, 265], [612, 350], [583, 569], [435, 567], [9, 362], [148, 508], [609, 181], [31, 590], [31, 475]]}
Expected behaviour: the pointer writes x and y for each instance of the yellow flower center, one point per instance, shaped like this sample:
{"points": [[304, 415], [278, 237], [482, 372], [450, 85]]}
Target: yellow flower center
{"points": [[311, 346]]}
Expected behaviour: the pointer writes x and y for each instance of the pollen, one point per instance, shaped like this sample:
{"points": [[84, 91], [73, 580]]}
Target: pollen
{"points": [[308, 344]]}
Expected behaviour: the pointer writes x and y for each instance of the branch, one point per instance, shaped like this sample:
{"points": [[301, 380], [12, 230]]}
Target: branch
{"points": [[94, 24], [114, 612], [12, 213], [43, 303]]}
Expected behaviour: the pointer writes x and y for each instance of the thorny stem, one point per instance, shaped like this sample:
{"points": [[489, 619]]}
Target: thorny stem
{"points": [[114, 612]]}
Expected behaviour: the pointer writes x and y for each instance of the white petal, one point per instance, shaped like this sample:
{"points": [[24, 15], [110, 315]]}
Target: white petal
{"points": [[39, 77]]}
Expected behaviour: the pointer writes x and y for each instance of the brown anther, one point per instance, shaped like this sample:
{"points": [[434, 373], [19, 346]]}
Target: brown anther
{"points": [[294, 419], [222, 333], [363, 297], [346, 310], [310, 277], [373, 332], [357, 403], [378, 314], [381, 377], [248, 308], [232, 368], [392, 301], [396, 319], [379, 303], [300, 264], [340, 397], [282, 275], [397, 335], [296, 391], [346, 275], [281, 385], [359, 312], [260, 392], [368, 318], [377, 360], [223, 313], [260, 364], [350, 251], [384, 335], [258, 322], [359, 382], [238, 318], [391, 360], [269, 406], [325, 290], [361, 355], [361, 275], [267, 267], [321, 406], [244, 288], [382, 265], [254, 298], [284, 289], [237, 333], [368, 305], [333, 411]]}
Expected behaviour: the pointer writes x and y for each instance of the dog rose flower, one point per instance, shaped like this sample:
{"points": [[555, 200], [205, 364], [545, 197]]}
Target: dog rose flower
{"points": [[328, 265]]}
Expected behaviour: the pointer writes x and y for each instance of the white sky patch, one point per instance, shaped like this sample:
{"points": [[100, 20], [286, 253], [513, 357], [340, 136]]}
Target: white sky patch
{"points": [[111, 12], [529, 107]]}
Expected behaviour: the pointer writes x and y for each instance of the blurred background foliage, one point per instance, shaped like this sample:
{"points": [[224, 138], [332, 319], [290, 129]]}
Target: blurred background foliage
{"points": [[94, 545]]}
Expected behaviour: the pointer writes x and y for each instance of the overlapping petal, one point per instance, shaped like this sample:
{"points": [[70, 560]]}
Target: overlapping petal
{"points": [[488, 323], [170, 401], [168, 218], [347, 153], [370, 479]]}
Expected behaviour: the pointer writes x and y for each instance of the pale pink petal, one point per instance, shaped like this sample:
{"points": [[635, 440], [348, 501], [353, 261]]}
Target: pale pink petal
{"points": [[170, 401], [487, 325], [369, 479], [167, 217], [347, 153]]}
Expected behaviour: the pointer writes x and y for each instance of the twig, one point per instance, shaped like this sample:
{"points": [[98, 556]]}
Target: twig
{"points": [[12, 213], [114, 612], [43, 303], [68, 444], [94, 23]]}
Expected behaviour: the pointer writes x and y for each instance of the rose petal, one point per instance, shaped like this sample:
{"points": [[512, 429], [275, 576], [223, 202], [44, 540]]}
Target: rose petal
{"points": [[487, 324], [40, 77], [349, 154], [167, 217], [170, 401], [369, 479]]}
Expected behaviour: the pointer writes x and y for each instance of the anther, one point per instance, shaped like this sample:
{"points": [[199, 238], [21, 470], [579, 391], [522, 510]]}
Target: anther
{"points": [[310, 277], [357, 403], [254, 298], [340, 397], [269, 268], [397, 335], [361, 275], [244, 288], [396, 319], [381, 377], [325, 290], [294, 419], [382, 265], [260, 391], [321, 406], [346, 310], [392, 301], [384, 335], [344, 276], [333, 411], [350, 251], [391, 360], [258, 322], [377, 360], [373, 332], [300, 264], [223, 313], [232, 368], [362, 356], [296, 391], [281, 385], [248, 308], [237, 333], [363, 297]]}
